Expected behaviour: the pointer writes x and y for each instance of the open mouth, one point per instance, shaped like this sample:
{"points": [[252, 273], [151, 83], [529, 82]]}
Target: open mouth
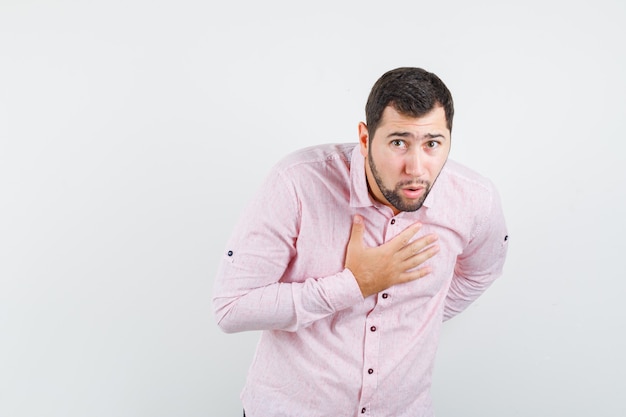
{"points": [[413, 192]]}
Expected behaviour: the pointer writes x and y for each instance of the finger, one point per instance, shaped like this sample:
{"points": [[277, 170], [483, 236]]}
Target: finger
{"points": [[358, 229], [417, 246], [403, 238], [415, 274], [419, 258]]}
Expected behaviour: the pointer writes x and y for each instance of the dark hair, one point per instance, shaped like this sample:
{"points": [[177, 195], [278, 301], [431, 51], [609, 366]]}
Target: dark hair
{"points": [[411, 91]]}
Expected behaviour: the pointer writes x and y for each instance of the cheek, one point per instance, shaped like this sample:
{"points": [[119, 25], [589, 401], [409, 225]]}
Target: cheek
{"points": [[391, 167], [436, 165]]}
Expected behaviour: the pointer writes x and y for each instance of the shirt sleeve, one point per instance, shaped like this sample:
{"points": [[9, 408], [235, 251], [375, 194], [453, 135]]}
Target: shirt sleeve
{"points": [[482, 261], [249, 293]]}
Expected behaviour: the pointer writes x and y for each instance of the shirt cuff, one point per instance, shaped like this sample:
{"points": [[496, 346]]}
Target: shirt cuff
{"points": [[345, 292]]}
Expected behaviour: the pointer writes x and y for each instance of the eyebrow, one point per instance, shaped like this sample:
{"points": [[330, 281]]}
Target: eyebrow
{"points": [[404, 134]]}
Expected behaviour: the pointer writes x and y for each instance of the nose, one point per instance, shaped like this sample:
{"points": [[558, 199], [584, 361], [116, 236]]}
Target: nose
{"points": [[414, 165]]}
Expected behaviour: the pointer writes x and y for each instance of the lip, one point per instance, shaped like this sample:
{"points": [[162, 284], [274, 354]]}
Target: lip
{"points": [[413, 193]]}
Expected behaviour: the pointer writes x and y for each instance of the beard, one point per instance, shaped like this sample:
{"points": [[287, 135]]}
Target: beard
{"points": [[394, 196]]}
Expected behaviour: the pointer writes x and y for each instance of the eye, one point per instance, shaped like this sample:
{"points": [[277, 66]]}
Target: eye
{"points": [[432, 144], [398, 143]]}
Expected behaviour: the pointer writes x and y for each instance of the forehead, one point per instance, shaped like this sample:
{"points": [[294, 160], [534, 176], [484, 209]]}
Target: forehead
{"points": [[434, 119]]}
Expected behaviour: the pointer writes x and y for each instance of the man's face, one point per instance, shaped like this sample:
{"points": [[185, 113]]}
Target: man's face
{"points": [[405, 157]]}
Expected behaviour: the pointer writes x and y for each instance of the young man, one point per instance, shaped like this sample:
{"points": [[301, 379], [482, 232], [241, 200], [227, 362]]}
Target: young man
{"points": [[351, 256]]}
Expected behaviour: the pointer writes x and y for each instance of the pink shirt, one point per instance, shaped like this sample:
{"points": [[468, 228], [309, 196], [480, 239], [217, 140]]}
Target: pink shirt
{"points": [[325, 350]]}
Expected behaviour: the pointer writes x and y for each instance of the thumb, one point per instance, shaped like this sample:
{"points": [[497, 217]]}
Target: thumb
{"points": [[358, 228]]}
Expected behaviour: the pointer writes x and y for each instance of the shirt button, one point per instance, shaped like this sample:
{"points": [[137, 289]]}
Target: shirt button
{"points": [[373, 328], [230, 253], [385, 295], [370, 371], [393, 221], [362, 410]]}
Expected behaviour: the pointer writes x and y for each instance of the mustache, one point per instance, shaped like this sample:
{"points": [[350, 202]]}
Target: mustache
{"points": [[407, 183]]}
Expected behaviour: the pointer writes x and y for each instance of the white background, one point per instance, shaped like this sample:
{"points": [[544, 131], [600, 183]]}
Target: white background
{"points": [[132, 133]]}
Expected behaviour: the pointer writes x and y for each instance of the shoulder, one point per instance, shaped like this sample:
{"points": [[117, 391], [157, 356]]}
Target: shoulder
{"points": [[465, 201], [463, 195], [330, 154], [460, 179]]}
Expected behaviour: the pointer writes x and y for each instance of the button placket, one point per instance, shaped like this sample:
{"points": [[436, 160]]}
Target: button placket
{"points": [[371, 355]]}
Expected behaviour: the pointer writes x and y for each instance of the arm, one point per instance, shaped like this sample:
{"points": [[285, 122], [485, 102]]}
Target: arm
{"points": [[250, 294], [481, 262]]}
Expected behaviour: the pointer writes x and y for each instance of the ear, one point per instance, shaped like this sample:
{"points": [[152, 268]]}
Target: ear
{"points": [[363, 138]]}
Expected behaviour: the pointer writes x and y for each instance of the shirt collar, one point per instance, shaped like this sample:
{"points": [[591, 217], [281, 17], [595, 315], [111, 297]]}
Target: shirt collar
{"points": [[359, 193]]}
